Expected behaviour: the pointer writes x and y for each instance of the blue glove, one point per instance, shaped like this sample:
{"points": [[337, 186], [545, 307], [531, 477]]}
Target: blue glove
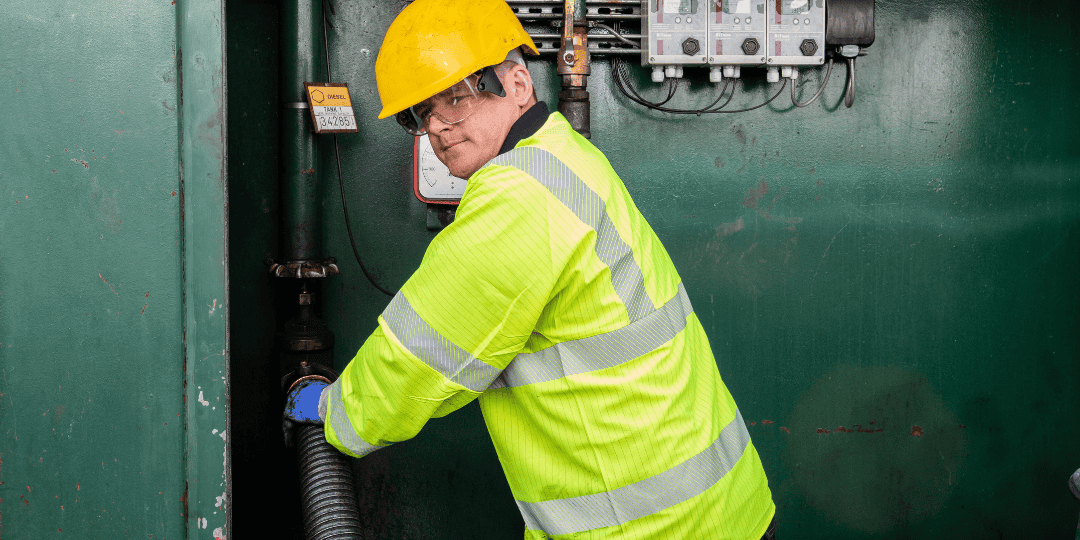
{"points": [[302, 402]]}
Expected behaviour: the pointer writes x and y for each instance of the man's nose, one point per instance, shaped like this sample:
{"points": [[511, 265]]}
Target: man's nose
{"points": [[435, 124]]}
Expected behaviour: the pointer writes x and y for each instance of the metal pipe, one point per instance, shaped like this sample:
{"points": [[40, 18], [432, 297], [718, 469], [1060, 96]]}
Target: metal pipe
{"points": [[573, 65], [330, 504], [592, 37], [301, 48], [546, 16]]}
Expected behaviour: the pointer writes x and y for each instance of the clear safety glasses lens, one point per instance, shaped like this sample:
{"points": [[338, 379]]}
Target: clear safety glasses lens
{"points": [[451, 106]]}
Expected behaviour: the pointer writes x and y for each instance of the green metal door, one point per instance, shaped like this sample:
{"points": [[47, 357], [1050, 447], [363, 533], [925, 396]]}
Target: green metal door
{"points": [[113, 296]]}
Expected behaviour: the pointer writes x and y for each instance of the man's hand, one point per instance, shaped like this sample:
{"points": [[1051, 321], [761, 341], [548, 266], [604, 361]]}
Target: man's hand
{"points": [[302, 402]]}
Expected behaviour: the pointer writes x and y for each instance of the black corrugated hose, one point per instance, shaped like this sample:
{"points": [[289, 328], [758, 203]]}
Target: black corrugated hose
{"points": [[327, 488]]}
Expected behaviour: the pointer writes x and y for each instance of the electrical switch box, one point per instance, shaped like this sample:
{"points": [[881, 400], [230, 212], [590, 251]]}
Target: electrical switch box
{"points": [[737, 32], [795, 32], [677, 32]]}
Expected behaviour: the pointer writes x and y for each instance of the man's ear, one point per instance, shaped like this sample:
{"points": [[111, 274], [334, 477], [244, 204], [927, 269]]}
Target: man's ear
{"points": [[518, 84]]}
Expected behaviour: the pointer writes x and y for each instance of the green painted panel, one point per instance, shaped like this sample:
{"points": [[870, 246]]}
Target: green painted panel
{"points": [[111, 375], [203, 128], [91, 432], [889, 289]]}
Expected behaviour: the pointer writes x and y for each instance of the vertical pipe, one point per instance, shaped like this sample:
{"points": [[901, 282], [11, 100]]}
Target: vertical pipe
{"points": [[573, 66], [328, 489], [301, 47]]}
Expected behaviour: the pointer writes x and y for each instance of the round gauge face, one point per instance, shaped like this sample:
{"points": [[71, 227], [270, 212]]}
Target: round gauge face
{"points": [[432, 179]]}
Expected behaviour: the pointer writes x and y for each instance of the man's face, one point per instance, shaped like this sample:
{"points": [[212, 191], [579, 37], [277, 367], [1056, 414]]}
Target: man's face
{"points": [[467, 145]]}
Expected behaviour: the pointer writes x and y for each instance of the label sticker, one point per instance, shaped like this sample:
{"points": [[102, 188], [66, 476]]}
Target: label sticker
{"points": [[331, 107]]}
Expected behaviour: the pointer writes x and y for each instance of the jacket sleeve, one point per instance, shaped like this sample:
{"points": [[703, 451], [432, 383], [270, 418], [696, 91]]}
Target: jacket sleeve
{"points": [[459, 319]]}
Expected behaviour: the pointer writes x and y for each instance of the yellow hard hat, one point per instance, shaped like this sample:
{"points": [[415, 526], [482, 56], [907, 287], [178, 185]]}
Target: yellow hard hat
{"points": [[434, 44]]}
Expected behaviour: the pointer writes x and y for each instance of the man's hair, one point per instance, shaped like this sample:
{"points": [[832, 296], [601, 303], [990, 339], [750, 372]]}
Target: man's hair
{"points": [[515, 56]]}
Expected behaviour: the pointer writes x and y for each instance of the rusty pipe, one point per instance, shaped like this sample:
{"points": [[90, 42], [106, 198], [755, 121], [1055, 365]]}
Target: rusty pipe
{"points": [[573, 66]]}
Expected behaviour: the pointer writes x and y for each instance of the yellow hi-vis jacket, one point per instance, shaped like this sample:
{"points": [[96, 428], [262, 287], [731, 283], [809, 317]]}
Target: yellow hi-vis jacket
{"points": [[551, 300]]}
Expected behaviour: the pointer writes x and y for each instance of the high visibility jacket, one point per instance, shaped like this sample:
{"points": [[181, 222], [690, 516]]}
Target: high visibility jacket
{"points": [[551, 300]]}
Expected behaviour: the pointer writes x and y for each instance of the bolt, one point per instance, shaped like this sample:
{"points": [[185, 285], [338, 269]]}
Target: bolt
{"points": [[750, 46], [808, 47], [690, 46], [568, 58]]}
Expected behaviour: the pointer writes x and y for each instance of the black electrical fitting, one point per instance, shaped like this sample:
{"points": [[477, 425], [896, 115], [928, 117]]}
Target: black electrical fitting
{"points": [[750, 46], [850, 22], [690, 46]]}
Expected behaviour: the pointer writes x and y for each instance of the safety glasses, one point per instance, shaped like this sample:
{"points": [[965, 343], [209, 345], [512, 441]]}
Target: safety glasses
{"points": [[453, 105]]}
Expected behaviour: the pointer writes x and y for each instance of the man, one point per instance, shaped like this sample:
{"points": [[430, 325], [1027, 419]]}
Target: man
{"points": [[552, 301]]}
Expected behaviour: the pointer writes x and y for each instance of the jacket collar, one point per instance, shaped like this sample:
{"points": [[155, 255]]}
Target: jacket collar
{"points": [[529, 123]]}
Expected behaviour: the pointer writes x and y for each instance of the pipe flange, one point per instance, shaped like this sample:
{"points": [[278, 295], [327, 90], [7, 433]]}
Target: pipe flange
{"points": [[305, 269], [304, 371], [318, 378]]}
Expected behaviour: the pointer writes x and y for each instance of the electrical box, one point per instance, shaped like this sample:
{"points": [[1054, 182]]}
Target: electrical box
{"points": [[795, 33], [737, 32], [725, 35], [677, 32]]}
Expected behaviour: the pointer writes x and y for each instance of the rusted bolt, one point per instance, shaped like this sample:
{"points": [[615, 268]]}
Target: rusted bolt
{"points": [[808, 47], [305, 299], [568, 58], [750, 46], [690, 46]]}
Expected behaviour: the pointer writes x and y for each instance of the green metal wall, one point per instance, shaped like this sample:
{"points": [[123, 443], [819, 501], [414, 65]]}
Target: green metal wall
{"points": [[900, 275], [890, 289], [112, 270]]}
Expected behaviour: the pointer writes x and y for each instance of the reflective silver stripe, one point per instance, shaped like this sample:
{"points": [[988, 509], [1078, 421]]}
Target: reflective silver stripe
{"points": [[435, 350], [591, 209], [342, 427], [678, 484], [602, 350]]}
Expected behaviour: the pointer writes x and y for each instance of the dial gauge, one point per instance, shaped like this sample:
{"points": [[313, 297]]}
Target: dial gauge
{"points": [[432, 181]]}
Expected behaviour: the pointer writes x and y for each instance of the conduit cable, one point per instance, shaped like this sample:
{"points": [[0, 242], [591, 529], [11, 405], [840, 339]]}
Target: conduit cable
{"points": [[824, 83], [341, 180]]}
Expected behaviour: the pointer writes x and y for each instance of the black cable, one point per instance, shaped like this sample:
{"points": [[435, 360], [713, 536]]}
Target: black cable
{"points": [[619, 73], [341, 181], [348, 226], [778, 92], [326, 47], [824, 83], [638, 98], [616, 34]]}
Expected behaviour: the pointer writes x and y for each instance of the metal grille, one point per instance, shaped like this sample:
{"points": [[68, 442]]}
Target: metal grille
{"points": [[544, 18]]}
